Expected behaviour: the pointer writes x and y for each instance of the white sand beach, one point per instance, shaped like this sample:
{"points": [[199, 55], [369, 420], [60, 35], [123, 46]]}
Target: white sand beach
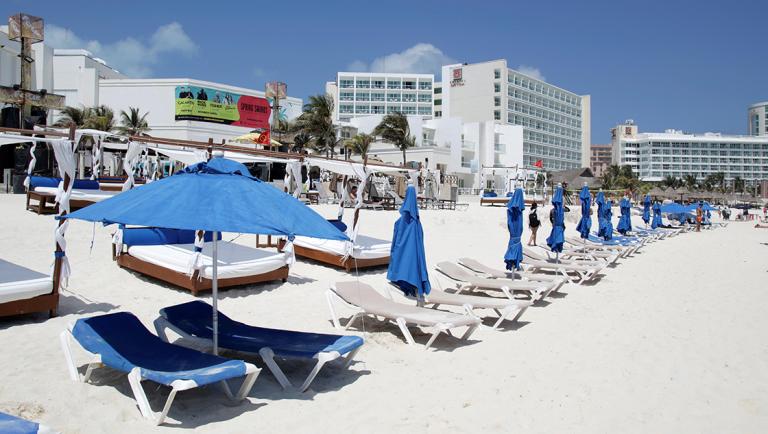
{"points": [[669, 340]]}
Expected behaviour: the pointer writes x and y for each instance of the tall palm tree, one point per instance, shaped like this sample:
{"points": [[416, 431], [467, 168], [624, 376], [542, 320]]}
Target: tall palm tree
{"points": [[300, 140], [690, 181], [133, 123], [317, 122], [360, 144], [72, 115], [394, 129], [669, 181], [100, 118]]}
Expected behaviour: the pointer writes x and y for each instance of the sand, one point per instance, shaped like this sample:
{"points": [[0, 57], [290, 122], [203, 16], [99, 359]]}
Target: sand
{"points": [[670, 340]]}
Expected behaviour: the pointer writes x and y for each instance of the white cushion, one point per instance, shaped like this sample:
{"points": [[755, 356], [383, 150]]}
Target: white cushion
{"points": [[20, 283], [365, 247]]}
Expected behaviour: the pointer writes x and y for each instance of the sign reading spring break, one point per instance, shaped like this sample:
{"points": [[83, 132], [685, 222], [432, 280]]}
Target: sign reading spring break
{"points": [[218, 106]]}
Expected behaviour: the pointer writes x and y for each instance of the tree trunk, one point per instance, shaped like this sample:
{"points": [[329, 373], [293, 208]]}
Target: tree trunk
{"points": [[404, 160]]}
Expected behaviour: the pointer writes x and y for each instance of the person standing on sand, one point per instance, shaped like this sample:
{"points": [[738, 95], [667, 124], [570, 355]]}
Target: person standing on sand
{"points": [[699, 217], [533, 223]]}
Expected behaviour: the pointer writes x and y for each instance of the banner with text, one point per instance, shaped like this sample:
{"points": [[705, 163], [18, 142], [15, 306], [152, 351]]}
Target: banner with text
{"points": [[218, 106]]}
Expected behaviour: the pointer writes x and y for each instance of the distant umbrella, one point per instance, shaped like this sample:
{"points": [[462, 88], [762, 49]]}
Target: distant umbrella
{"points": [[557, 237], [408, 264], [625, 220], [607, 216], [656, 215], [515, 207], [585, 223], [647, 209]]}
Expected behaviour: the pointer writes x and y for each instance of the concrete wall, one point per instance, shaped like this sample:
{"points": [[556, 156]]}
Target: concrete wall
{"points": [[472, 101]]}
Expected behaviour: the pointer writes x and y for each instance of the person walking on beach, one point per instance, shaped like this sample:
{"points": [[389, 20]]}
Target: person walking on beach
{"points": [[699, 217], [533, 223]]}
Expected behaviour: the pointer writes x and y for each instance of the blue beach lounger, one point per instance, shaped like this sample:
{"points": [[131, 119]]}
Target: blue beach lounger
{"points": [[15, 425], [120, 341], [193, 320]]}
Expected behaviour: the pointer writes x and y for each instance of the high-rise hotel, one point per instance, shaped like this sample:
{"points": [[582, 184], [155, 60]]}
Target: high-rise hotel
{"points": [[357, 94], [555, 121]]}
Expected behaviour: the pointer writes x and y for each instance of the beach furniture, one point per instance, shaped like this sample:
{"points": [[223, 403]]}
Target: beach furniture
{"points": [[505, 309], [466, 280], [583, 273], [367, 301], [120, 341], [23, 290], [165, 254], [43, 190], [16, 425], [479, 267], [192, 321], [366, 252], [543, 255]]}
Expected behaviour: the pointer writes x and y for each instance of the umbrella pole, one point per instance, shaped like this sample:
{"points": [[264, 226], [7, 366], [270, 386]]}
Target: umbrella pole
{"points": [[215, 294]]}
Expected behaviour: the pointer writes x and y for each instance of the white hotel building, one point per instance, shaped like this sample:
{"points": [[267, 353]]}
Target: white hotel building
{"points": [[372, 93], [758, 119], [555, 121], [654, 156]]}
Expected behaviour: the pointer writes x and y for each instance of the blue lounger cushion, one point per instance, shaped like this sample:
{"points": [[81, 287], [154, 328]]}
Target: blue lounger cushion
{"points": [[124, 343], [161, 236], [194, 319], [80, 184], [15, 425]]}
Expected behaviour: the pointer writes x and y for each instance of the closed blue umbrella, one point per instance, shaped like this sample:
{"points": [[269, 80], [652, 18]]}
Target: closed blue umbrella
{"points": [[216, 196], [556, 237], [656, 215], [647, 209], [585, 223], [607, 216], [601, 204], [515, 207], [408, 263], [625, 220]]}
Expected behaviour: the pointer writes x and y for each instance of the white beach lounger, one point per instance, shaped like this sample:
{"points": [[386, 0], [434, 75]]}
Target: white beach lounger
{"points": [[470, 281], [479, 267], [585, 272], [367, 301]]}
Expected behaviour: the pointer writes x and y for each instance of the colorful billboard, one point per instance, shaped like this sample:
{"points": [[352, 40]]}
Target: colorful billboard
{"points": [[205, 104]]}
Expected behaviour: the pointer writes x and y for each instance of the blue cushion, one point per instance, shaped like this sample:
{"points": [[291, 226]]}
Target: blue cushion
{"points": [[490, 194], [42, 181], [338, 224], [86, 184], [124, 343], [194, 318], [161, 236], [14, 425]]}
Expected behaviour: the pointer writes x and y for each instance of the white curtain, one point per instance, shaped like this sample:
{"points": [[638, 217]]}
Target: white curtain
{"points": [[294, 168], [64, 150], [32, 163], [196, 260], [96, 157], [131, 155]]}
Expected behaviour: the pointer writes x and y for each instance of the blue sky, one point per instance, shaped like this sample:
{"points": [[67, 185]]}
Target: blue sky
{"points": [[691, 65]]}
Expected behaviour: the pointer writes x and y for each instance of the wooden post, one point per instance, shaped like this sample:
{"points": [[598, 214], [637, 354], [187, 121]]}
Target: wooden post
{"points": [[58, 260]]}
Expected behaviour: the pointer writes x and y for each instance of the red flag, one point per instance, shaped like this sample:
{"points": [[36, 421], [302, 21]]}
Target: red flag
{"points": [[264, 138], [539, 164]]}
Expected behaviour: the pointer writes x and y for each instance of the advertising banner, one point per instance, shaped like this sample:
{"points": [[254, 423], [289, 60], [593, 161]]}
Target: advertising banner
{"points": [[205, 104]]}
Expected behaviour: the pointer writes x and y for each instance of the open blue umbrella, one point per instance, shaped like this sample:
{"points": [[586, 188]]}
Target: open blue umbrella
{"points": [[625, 220], [585, 223], [556, 237], [656, 215], [515, 207], [216, 196], [408, 263], [647, 209], [607, 216]]}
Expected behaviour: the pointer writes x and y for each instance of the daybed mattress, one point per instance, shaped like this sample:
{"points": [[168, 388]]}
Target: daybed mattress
{"points": [[365, 247], [78, 194], [234, 260], [20, 283]]}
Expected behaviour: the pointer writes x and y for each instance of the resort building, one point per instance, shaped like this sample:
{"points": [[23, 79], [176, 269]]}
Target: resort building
{"points": [[555, 121], [358, 94], [758, 119], [78, 74], [654, 156], [600, 158]]}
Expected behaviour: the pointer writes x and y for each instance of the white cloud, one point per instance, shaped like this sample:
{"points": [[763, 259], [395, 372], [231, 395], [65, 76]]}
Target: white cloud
{"points": [[532, 72], [131, 56], [421, 58]]}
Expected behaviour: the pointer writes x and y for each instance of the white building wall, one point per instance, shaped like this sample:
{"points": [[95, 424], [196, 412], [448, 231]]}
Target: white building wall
{"points": [[77, 76], [758, 119]]}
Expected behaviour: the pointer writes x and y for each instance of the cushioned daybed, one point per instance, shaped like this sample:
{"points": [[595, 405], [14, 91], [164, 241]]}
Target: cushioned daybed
{"points": [[165, 254], [25, 291], [367, 251], [43, 190]]}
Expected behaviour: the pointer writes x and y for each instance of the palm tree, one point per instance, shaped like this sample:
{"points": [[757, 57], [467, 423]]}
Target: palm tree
{"points": [[738, 184], [73, 115], [360, 144], [610, 177], [100, 118], [690, 181], [394, 129], [300, 140], [669, 181], [317, 122], [133, 123]]}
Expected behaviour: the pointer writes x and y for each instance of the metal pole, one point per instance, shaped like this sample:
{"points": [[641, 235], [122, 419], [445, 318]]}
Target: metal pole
{"points": [[215, 294]]}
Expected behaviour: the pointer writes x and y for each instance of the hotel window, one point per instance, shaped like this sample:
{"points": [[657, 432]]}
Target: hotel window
{"points": [[409, 97], [425, 111], [497, 115], [362, 96], [377, 96], [425, 85], [425, 97], [363, 84], [364, 109], [393, 84], [378, 84], [438, 113], [497, 101], [393, 109], [393, 97], [346, 96], [377, 109], [438, 90], [409, 110], [345, 108], [346, 83], [497, 87], [496, 74], [409, 84], [438, 102]]}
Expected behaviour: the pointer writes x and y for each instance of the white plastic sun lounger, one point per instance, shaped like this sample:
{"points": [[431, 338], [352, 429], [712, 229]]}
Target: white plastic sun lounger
{"points": [[573, 252], [563, 259], [478, 267], [467, 280], [504, 308], [589, 246], [585, 272], [367, 301]]}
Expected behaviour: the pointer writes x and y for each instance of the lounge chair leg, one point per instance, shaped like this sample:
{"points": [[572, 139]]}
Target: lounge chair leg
{"points": [[469, 332], [350, 356], [507, 292], [269, 359], [322, 359], [71, 367], [252, 372], [404, 330], [166, 407], [134, 379], [351, 320], [438, 329], [329, 297]]}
